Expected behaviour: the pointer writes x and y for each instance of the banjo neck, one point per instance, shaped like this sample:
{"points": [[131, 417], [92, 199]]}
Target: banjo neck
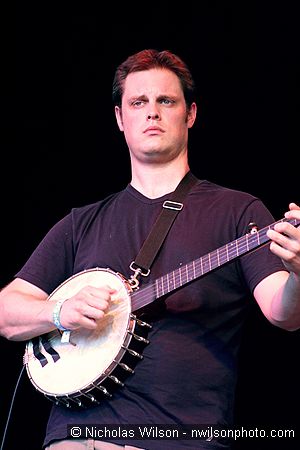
{"points": [[203, 265]]}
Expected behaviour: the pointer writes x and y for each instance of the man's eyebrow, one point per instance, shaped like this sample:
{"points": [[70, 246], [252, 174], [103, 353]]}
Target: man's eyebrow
{"points": [[162, 96], [144, 97], [137, 97]]}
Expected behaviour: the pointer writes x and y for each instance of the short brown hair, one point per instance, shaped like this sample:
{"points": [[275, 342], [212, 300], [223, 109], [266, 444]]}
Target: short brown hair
{"points": [[149, 59]]}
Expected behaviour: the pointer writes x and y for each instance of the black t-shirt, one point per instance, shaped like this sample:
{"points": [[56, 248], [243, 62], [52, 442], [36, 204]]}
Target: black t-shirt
{"points": [[188, 372]]}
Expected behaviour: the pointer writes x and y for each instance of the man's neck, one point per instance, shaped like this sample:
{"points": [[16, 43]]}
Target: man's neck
{"points": [[156, 182]]}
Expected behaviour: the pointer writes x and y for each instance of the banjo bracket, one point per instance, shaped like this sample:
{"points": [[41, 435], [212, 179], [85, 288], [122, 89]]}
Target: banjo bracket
{"points": [[133, 280]]}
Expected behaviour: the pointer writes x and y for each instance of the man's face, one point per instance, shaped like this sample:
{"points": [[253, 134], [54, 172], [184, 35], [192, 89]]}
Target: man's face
{"points": [[154, 116]]}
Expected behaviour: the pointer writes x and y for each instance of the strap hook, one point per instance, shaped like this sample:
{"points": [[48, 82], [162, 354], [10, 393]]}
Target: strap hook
{"points": [[133, 280]]}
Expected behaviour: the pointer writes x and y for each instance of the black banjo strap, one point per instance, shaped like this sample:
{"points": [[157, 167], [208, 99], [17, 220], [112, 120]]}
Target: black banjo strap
{"points": [[160, 229]]}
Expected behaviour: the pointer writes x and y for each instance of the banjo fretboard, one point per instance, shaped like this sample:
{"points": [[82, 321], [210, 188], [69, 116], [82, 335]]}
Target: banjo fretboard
{"points": [[203, 265]]}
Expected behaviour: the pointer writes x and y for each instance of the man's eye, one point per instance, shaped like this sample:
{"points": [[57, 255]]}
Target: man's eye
{"points": [[166, 101], [137, 103]]}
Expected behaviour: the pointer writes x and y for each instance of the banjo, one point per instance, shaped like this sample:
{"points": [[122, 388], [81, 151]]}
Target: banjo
{"points": [[90, 365]]}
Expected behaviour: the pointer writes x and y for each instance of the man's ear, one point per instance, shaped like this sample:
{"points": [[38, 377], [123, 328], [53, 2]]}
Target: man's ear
{"points": [[118, 114], [192, 114]]}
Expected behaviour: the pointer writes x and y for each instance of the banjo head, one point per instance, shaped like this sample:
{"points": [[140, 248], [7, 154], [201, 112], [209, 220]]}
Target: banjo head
{"points": [[91, 355]]}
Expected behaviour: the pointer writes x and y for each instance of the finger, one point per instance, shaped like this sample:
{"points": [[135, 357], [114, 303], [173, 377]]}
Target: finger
{"points": [[293, 205], [93, 313], [104, 292], [285, 241], [293, 209], [282, 229], [285, 254], [88, 322]]}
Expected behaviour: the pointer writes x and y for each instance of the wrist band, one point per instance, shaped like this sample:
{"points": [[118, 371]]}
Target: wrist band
{"points": [[56, 315]]}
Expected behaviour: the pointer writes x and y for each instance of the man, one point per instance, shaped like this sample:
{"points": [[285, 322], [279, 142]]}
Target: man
{"points": [[188, 371]]}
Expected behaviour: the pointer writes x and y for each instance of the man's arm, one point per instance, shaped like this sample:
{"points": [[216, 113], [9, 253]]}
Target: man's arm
{"points": [[278, 295], [25, 313]]}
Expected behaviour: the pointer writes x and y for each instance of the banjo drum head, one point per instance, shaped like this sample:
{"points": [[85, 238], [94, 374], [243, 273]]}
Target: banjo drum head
{"points": [[91, 354]]}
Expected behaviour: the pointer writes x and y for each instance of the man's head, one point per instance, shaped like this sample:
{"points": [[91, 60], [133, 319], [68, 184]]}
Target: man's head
{"points": [[151, 59], [153, 94]]}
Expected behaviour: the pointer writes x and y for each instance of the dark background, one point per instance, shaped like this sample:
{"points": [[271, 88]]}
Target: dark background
{"points": [[61, 148]]}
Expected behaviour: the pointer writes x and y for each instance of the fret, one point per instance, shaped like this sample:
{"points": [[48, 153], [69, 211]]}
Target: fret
{"points": [[233, 250], [182, 274], [263, 235], [159, 287], [218, 258], [209, 261], [157, 290], [180, 279], [191, 272], [214, 260], [227, 252], [168, 283], [198, 266], [258, 237], [224, 255], [201, 262], [194, 270], [165, 283], [187, 273], [205, 260], [247, 242]]}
